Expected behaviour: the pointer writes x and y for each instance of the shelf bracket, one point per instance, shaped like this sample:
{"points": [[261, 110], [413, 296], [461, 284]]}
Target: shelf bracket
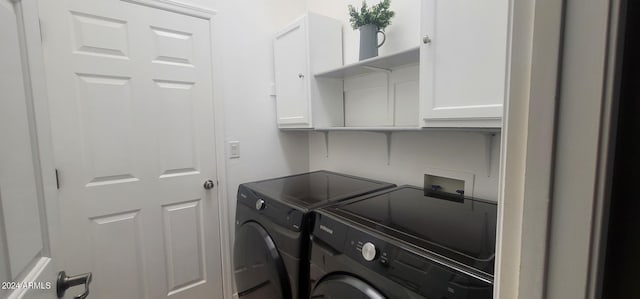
{"points": [[489, 151], [388, 135], [326, 143]]}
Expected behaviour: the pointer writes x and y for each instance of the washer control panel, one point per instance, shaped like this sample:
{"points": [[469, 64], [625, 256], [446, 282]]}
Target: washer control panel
{"points": [[418, 273], [366, 249]]}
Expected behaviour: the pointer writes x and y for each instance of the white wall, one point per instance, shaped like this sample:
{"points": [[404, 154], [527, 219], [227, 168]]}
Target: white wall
{"points": [[362, 153], [245, 29], [244, 52], [365, 154]]}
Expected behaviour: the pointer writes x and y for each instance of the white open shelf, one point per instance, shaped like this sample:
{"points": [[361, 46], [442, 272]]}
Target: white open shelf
{"points": [[379, 129], [396, 129], [386, 62], [489, 133]]}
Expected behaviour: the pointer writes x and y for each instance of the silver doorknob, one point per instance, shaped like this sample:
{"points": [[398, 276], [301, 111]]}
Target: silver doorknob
{"points": [[426, 39], [209, 184], [300, 75]]}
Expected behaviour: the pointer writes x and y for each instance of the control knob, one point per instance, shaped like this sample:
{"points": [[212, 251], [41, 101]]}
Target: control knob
{"points": [[260, 204], [369, 251]]}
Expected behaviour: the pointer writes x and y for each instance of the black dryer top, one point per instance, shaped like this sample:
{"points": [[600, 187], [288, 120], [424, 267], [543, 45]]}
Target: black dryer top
{"points": [[316, 189]]}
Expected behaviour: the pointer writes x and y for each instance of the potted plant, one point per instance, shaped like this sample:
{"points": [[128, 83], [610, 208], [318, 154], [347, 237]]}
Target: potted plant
{"points": [[370, 22]]}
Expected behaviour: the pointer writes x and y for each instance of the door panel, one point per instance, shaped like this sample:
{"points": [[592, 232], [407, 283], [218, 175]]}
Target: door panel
{"points": [[124, 256], [290, 52], [99, 36], [177, 143], [132, 119], [105, 105], [463, 67], [184, 245], [172, 47], [24, 247], [18, 191]]}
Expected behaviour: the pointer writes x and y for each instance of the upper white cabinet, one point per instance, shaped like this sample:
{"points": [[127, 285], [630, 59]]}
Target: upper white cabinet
{"points": [[456, 78], [463, 57], [311, 44]]}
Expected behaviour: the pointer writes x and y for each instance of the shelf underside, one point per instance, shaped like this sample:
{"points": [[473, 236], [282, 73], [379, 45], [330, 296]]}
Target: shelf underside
{"points": [[380, 63], [395, 129]]}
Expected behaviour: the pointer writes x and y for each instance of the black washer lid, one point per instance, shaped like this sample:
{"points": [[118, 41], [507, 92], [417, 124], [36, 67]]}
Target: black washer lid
{"points": [[318, 188], [458, 228]]}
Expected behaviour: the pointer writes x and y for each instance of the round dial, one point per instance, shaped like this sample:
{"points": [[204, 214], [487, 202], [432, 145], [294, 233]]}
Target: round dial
{"points": [[369, 251], [259, 204]]}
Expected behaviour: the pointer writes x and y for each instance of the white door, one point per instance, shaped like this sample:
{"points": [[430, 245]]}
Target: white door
{"points": [[130, 88], [26, 267], [463, 67], [290, 57]]}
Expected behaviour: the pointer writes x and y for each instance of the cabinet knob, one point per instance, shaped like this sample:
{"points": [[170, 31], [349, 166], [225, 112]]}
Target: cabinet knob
{"points": [[300, 75], [426, 40]]}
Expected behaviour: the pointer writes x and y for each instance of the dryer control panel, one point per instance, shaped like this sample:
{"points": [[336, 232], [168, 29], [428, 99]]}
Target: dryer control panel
{"points": [[274, 210]]}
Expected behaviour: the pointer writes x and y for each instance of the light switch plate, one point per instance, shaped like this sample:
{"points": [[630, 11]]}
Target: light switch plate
{"points": [[234, 149], [272, 89]]}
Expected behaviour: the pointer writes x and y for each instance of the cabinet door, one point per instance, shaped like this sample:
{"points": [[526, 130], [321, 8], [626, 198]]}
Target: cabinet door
{"points": [[292, 101], [463, 65]]}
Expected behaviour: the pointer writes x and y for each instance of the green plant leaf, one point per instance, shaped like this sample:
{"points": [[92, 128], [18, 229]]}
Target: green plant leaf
{"points": [[378, 15]]}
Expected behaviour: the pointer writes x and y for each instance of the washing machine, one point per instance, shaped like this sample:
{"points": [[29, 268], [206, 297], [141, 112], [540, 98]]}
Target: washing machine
{"points": [[404, 243], [271, 247]]}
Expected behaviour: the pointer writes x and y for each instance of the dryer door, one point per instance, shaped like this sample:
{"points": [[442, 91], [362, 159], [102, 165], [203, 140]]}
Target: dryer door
{"points": [[340, 286], [259, 269]]}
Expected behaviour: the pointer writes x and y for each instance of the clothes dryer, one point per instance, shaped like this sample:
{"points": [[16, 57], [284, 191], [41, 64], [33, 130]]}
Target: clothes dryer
{"points": [[271, 247]]}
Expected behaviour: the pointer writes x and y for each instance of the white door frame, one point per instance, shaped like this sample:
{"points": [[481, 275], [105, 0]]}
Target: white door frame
{"points": [[552, 193], [583, 156], [35, 56], [527, 148]]}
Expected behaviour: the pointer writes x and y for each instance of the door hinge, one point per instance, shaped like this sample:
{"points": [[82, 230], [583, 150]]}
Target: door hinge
{"points": [[57, 179], [40, 27]]}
